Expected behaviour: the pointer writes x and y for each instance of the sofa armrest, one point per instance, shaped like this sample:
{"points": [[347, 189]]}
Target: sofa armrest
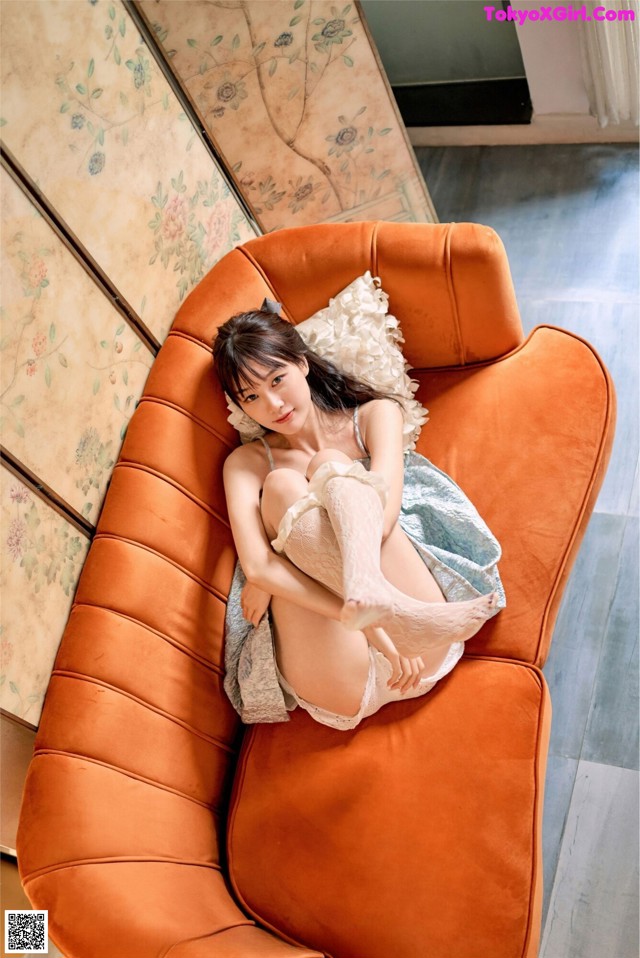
{"points": [[528, 438]]}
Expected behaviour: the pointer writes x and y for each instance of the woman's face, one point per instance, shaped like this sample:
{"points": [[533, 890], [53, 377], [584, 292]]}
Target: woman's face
{"points": [[279, 399]]}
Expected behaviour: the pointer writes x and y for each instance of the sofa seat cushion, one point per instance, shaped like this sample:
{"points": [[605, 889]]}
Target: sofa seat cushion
{"points": [[417, 833]]}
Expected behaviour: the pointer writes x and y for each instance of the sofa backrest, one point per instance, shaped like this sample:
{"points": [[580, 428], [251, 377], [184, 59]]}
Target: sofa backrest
{"points": [[449, 284]]}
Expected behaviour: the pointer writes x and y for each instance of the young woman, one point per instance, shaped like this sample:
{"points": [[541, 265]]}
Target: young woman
{"points": [[357, 605]]}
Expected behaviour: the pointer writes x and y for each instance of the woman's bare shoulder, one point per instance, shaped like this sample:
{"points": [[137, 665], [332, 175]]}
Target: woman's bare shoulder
{"points": [[381, 425], [377, 408], [246, 458]]}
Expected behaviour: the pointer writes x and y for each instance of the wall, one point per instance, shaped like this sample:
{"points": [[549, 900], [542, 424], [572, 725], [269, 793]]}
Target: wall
{"points": [[436, 41], [551, 55], [294, 98], [561, 111]]}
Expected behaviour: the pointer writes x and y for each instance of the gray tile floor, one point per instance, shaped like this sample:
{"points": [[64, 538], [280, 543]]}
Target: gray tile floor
{"points": [[568, 216]]}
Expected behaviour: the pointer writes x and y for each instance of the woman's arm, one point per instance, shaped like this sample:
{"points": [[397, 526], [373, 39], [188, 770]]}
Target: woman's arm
{"points": [[381, 424], [261, 565]]}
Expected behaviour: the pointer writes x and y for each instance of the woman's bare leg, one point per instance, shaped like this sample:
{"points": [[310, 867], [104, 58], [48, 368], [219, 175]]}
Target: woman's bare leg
{"points": [[403, 568], [326, 663], [281, 489], [356, 515], [313, 548], [332, 673]]}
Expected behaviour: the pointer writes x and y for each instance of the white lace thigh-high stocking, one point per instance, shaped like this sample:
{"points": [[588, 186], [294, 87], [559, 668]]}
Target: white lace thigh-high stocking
{"points": [[356, 512], [339, 546], [312, 547]]}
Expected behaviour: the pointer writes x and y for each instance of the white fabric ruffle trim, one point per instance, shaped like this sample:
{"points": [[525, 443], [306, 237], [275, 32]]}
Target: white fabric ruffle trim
{"points": [[314, 498], [376, 693], [357, 333]]}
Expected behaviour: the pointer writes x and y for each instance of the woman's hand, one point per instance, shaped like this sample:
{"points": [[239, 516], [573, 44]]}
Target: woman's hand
{"points": [[254, 603], [406, 672]]}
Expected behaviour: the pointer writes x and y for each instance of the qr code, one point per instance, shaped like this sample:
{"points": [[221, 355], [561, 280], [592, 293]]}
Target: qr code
{"points": [[26, 932]]}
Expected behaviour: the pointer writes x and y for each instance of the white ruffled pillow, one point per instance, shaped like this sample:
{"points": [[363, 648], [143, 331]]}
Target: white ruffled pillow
{"points": [[356, 332]]}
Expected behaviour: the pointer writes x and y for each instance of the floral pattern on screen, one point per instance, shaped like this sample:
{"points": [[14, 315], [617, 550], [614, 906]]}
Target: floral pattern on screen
{"points": [[294, 98], [90, 117], [72, 369], [191, 226], [42, 556]]}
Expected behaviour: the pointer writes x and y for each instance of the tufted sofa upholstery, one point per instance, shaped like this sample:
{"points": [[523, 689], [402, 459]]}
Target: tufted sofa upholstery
{"points": [[152, 824]]}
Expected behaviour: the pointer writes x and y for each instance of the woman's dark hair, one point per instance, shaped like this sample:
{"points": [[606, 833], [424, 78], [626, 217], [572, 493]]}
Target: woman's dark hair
{"points": [[260, 337]]}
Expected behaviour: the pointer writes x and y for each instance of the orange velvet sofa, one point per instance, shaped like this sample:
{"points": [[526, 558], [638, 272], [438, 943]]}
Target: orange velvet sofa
{"points": [[153, 825]]}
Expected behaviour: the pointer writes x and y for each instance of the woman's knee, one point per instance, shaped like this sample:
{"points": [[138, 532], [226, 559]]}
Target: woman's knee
{"points": [[282, 487], [326, 455]]}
